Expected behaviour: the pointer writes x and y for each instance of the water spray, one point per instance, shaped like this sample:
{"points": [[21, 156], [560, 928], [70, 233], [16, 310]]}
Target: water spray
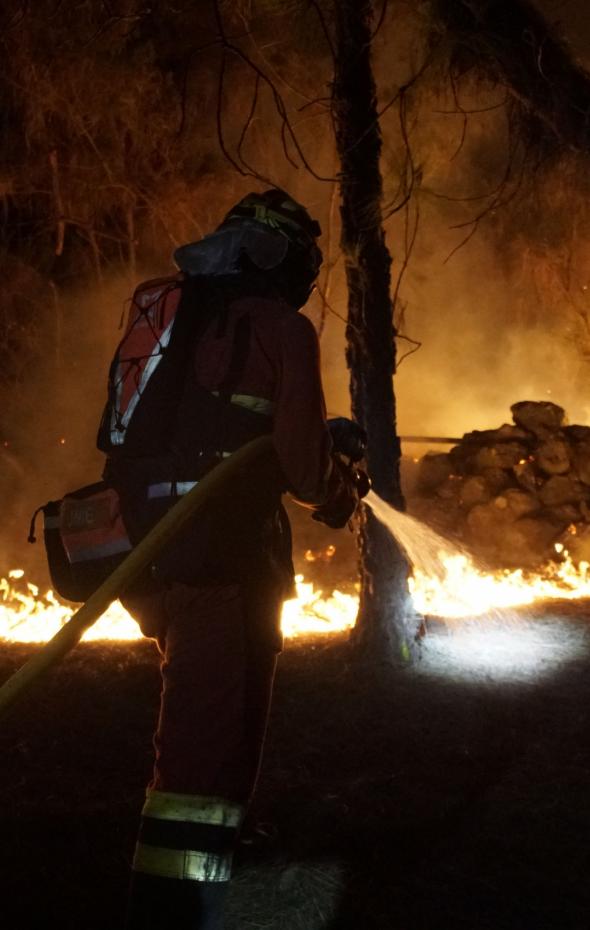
{"points": [[482, 636]]}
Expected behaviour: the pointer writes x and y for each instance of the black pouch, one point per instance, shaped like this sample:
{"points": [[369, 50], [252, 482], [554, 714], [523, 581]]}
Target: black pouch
{"points": [[85, 539]]}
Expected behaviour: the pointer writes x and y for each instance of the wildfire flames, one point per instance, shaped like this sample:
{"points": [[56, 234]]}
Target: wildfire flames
{"points": [[465, 591], [461, 590], [27, 616]]}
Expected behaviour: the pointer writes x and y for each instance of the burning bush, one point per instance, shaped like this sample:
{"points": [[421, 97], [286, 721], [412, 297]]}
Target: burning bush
{"points": [[515, 492]]}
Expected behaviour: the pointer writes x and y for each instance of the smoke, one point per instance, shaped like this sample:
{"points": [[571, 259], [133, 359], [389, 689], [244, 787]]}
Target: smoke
{"points": [[50, 424], [490, 335], [477, 357]]}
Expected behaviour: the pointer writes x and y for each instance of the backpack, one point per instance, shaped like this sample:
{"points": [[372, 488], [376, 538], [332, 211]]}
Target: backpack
{"points": [[147, 373], [84, 532], [153, 413]]}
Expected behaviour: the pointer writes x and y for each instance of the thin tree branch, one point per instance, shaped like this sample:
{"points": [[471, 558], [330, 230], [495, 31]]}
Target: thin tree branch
{"points": [[380, 20], [329, 263], [416, 344], [277, 97], [324, 25], [249, 118]]}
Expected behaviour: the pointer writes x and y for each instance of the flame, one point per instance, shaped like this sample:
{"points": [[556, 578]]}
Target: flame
{"points": [[465, 591], [460, 590], [27, 616]]}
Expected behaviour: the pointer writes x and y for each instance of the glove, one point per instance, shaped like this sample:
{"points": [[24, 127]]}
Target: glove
{"points": [[348, 438], [347, 486], [362, 482]]}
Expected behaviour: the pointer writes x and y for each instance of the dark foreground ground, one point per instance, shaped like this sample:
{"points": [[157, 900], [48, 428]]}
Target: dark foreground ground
{"points": [[418, 802]]}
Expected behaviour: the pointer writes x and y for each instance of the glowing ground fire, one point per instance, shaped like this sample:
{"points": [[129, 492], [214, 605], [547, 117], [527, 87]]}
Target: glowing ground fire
{"points": [[29, 616], [445, 583]]}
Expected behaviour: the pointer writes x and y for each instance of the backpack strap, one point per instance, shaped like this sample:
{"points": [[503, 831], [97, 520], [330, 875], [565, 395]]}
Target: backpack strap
{"points": [[239, 357]]}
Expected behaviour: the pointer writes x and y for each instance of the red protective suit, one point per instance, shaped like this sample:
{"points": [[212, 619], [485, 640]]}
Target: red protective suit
{"points": [[219, 640]]}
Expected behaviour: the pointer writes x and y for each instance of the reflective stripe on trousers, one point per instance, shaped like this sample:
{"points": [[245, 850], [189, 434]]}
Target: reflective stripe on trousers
{"points": [[185, 836]]}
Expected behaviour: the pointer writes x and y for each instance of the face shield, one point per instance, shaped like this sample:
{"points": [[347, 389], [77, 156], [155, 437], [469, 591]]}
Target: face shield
{"points": [[222, 252]]}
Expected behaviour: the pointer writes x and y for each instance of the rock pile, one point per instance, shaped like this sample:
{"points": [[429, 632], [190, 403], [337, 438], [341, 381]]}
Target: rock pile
{"points": [[512, 493]]}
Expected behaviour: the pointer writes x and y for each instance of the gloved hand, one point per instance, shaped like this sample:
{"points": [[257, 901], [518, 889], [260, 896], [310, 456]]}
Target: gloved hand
{"points": [[348, 486], [362, 482], [348, 438]]}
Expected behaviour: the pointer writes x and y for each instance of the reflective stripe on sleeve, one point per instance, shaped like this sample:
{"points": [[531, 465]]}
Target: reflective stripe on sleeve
{"points": [[251, 402]]}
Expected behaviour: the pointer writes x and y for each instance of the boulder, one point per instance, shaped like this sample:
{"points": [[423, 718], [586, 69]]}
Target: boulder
{"points": [[513, 492], [577, 433], [484, 527], [577, 544], [561, 489], [563, 515], [506, 433], [581, 461], [526, 475], [553, 456], [491, 532], [435, 468], [450, 488], [515, 503], [539, 417], [501, 455], [497, 479], [527, 542], [462, 458], [475, 490]]}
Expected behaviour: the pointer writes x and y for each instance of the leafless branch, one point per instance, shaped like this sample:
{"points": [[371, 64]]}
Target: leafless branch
{"points": [[249, 118], [335, 313], [311, 103], [380, 20], [219, 116], [287, 131], [406, 187], [269, 66], [462, 110], [501, 199], [58, 202], [464, 115], [416, 346], [324, 25], [329, 262], [18, 16], [410, 236], [398, 94]]}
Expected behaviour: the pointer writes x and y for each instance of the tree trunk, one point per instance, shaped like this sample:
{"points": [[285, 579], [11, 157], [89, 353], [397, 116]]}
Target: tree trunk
{"points": [[384, 626]]}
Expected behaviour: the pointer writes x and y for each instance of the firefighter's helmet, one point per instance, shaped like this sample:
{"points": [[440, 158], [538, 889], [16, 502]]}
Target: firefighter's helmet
{"points": [[267, 232]]}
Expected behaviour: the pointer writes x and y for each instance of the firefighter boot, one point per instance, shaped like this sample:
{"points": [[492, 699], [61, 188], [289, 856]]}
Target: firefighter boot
{"points": [[157, 903]]}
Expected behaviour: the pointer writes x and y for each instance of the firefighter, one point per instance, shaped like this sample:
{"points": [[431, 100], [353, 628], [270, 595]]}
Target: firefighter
{"points": [[213, 600]]}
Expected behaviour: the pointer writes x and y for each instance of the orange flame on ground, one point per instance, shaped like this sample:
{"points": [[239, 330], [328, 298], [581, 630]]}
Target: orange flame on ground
{"points": [[461, 590], [27, 616], [465, 591]]}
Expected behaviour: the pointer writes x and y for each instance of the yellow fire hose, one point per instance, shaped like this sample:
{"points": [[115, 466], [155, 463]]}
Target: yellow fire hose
{"points": [[161, 534]]}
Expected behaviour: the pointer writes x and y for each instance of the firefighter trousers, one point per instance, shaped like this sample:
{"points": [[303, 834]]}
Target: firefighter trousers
{"points": [[217, 674]]}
